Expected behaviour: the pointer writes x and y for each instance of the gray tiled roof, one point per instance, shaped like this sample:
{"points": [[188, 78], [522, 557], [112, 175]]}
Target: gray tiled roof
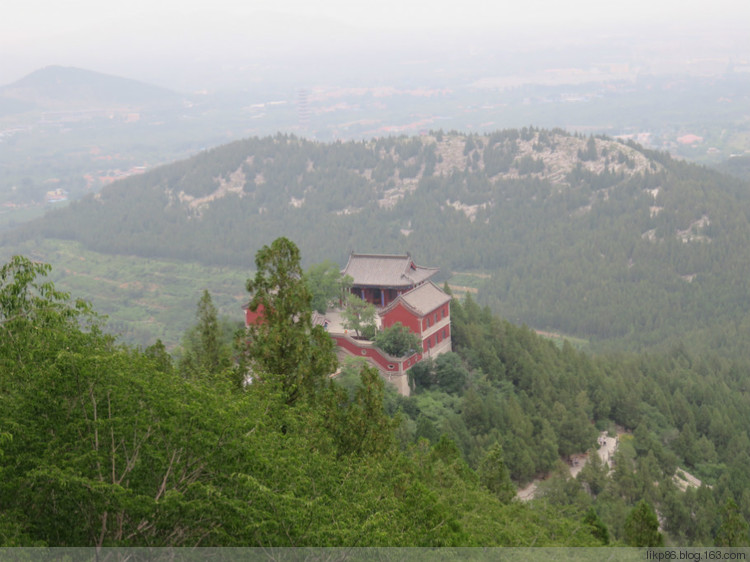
{"points": [[423, 299], [386, 270]]}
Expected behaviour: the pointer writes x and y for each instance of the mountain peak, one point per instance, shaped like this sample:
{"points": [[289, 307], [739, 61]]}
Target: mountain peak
{"points": [[69, 88]]}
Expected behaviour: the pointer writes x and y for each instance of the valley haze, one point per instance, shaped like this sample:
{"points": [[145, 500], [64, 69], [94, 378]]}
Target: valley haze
{"points": [[188, 47]]}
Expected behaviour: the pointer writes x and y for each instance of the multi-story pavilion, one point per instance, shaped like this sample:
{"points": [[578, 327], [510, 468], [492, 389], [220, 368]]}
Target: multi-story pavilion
{"points": [[402, 292], [425, 310], [380, 278]]}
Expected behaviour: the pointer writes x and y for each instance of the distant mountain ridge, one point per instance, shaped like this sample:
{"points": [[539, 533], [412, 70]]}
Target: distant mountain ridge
{"points": [[589, 236], [68, 88]]}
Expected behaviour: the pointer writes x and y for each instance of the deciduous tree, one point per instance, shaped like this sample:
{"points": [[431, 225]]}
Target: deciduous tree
{"points": [[359, 315], [398, 340], [324, 281]]}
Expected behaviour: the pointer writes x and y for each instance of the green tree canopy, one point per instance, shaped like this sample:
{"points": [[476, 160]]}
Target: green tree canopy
{"points": [[494, 475], [642, 526], [205, 350], [325, 283], [284, 345], [103, 445], [398, 340], [733, 530], [359, 315], [450, 373]]}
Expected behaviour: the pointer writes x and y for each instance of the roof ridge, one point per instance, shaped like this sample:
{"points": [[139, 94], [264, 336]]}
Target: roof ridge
{"points": [[403, 298], [401, 256], [394, 303], [386, 269]]}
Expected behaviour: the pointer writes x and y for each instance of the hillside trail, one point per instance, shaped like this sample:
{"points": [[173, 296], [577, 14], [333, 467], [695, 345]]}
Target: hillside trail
{"points": [[606, 451], [607, 448]]}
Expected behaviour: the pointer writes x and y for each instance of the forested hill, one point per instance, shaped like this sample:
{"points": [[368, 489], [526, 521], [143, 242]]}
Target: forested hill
{"points": [[738, 166], [590, 236]]}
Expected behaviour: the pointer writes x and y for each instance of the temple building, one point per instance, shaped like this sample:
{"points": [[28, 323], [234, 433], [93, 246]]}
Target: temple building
{"points": [[402, 292], [425, 310], [380, 278]]}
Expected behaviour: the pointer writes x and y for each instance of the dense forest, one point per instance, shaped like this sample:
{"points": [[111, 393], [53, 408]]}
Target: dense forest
{"points": [[249, 442], [738, 166], [588, 236], [673, 410]]}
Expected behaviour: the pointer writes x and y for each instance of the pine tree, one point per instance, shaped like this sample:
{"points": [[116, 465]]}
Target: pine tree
{"points": [[360, 426], [642, 526], [208, 330], [594, 473], [600, 529], [733, 530], [285, 346], [494, 475], [204, 351], [158, 354]]}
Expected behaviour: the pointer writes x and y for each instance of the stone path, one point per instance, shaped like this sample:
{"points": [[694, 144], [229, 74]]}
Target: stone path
{"points": [[685, 480], [607, 448]]}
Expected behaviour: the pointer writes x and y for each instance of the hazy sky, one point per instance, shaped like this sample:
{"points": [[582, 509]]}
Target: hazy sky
{"points": [[35, 18], [100, 34]]}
